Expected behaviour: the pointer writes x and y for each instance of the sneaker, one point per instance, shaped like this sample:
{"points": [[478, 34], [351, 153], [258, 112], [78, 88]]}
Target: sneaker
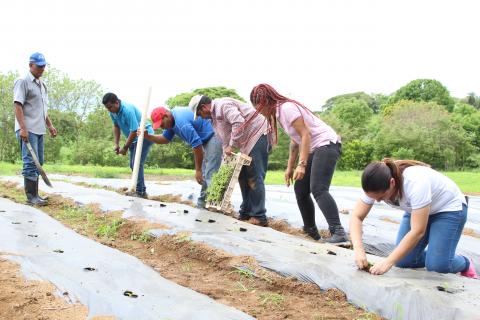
{"points": [[312, 232], [338, 237], [470, 272], [258, 222]]}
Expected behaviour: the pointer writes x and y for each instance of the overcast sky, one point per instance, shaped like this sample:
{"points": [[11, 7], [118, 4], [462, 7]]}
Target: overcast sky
{"points": [[309, 50]]}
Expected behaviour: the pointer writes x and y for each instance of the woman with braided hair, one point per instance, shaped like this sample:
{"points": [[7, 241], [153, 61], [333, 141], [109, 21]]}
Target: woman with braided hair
{"points": [[317, 148], [435, 213]]}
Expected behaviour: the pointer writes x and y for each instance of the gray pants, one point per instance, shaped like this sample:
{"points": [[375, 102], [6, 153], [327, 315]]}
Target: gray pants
{"points": [[212, 158]]}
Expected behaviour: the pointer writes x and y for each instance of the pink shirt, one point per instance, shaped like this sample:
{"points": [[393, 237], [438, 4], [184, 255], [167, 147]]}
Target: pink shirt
{"points": [[321, 133], [228, 115]]}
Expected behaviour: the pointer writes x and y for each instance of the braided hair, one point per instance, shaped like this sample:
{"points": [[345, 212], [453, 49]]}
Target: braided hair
{"points": [[264, 96]]}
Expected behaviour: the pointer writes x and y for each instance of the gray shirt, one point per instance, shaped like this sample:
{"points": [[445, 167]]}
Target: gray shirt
{"points": [[31, 93]]}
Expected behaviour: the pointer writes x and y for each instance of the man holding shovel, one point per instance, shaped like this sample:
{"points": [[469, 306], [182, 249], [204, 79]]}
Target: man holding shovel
{"points": [[31, 121], [126, 118]]}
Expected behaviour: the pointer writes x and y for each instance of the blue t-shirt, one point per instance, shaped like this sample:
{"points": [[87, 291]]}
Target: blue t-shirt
{"points": [[192, 132], [128, 119]]}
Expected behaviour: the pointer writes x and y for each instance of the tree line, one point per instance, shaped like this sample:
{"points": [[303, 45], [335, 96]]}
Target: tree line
{"points": [[420, 120]]}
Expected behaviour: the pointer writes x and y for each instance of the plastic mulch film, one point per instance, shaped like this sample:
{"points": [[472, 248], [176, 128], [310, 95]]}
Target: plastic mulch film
{"points": [[107, 281], [399, 294]]}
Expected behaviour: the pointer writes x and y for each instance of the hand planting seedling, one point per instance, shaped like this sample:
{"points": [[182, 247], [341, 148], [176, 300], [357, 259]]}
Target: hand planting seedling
{"points": [[367, 268], [220, 181]]}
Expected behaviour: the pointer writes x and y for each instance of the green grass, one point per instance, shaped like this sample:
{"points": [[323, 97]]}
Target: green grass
{"points": [[340, 178], [95, 171], [109, 230], [468, 181]]}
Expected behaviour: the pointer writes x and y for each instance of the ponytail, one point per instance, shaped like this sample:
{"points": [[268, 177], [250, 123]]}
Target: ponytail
{"points": [[376, 176]]}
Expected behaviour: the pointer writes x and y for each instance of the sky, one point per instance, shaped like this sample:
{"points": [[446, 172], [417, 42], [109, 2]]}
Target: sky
{"points": [[309, 50]]}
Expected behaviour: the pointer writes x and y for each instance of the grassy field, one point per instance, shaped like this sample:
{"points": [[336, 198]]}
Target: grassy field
{"points": [[468, 181]]}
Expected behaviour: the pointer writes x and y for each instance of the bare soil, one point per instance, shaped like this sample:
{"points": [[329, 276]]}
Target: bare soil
{"points": [[35, 300], [237, 281]]}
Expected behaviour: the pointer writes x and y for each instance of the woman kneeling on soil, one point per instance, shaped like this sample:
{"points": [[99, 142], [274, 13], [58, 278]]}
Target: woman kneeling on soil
{"points": [[317, 147], [435, 213]]}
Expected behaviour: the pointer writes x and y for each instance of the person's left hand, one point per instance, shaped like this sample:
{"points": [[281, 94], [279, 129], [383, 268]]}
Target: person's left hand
{"points": [[53, 131], [299, 173], [381, 267], [228, 151]]}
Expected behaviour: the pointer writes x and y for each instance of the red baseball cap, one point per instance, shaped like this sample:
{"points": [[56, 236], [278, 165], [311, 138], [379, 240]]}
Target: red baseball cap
{"points": [[157, 116]]}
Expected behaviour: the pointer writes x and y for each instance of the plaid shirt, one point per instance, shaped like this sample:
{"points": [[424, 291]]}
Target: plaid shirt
{"points": [[228, 115]]}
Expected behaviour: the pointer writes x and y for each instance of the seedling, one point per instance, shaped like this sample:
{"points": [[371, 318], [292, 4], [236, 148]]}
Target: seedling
{"points": [[223, 182], [271, 298], [180, 238], [186, 267], [219, 183], [244, 272], [368, 267], [144, 237], [109, 230], [241, 287]]}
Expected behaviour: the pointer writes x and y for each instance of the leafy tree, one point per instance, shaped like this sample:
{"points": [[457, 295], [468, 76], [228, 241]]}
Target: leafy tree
{"points": [[65, 94], [9, 148], [469, 118], [373, 102], [473, 100], [278, 158], [424, 90], [356, 154], [176, 154], [426, 131], [350, 118], [183, 99], [67, 124]]}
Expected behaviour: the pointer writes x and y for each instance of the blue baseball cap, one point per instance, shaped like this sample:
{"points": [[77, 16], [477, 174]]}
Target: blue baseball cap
{"points": [[38, 59]]}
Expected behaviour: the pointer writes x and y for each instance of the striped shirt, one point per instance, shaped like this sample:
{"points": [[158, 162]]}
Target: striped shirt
{"points": [[228, 115]]}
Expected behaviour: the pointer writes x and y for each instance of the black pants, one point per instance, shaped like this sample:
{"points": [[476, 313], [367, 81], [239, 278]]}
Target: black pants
{"points": [[318, 176]]}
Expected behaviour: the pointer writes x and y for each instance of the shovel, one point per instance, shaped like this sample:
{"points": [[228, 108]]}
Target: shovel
{"points": [[38, 165]]}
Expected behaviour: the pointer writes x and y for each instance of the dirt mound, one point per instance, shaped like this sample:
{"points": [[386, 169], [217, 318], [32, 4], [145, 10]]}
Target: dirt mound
{"points": [[35, 300]]}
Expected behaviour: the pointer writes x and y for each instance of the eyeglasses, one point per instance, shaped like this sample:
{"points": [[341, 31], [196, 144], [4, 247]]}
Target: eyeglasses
{"points": [[41, 67]]}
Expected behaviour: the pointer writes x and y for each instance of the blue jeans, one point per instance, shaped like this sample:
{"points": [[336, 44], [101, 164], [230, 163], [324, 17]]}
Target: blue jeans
{"points": [[212, 158], [29, 170], [141, 189], [442, 235], [251, 181]]}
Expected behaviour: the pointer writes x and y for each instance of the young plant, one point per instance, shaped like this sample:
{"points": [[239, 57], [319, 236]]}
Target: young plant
{"points": [[274, 299], [220, 181]]}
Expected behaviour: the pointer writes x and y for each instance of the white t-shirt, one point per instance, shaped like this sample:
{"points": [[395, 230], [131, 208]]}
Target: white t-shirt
{"points": [[424, 186]]}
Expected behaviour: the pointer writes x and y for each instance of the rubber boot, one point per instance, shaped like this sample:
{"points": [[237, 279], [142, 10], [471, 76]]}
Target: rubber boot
{"points": [[38, 194], [312, 232], [31, 193]]}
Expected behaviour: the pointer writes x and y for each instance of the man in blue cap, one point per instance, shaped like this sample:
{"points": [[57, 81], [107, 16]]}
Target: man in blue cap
{"points": [[30, 99]]}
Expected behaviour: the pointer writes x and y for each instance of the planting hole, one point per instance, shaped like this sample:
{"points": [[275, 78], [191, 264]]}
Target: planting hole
{"points": [[130, 294]]}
